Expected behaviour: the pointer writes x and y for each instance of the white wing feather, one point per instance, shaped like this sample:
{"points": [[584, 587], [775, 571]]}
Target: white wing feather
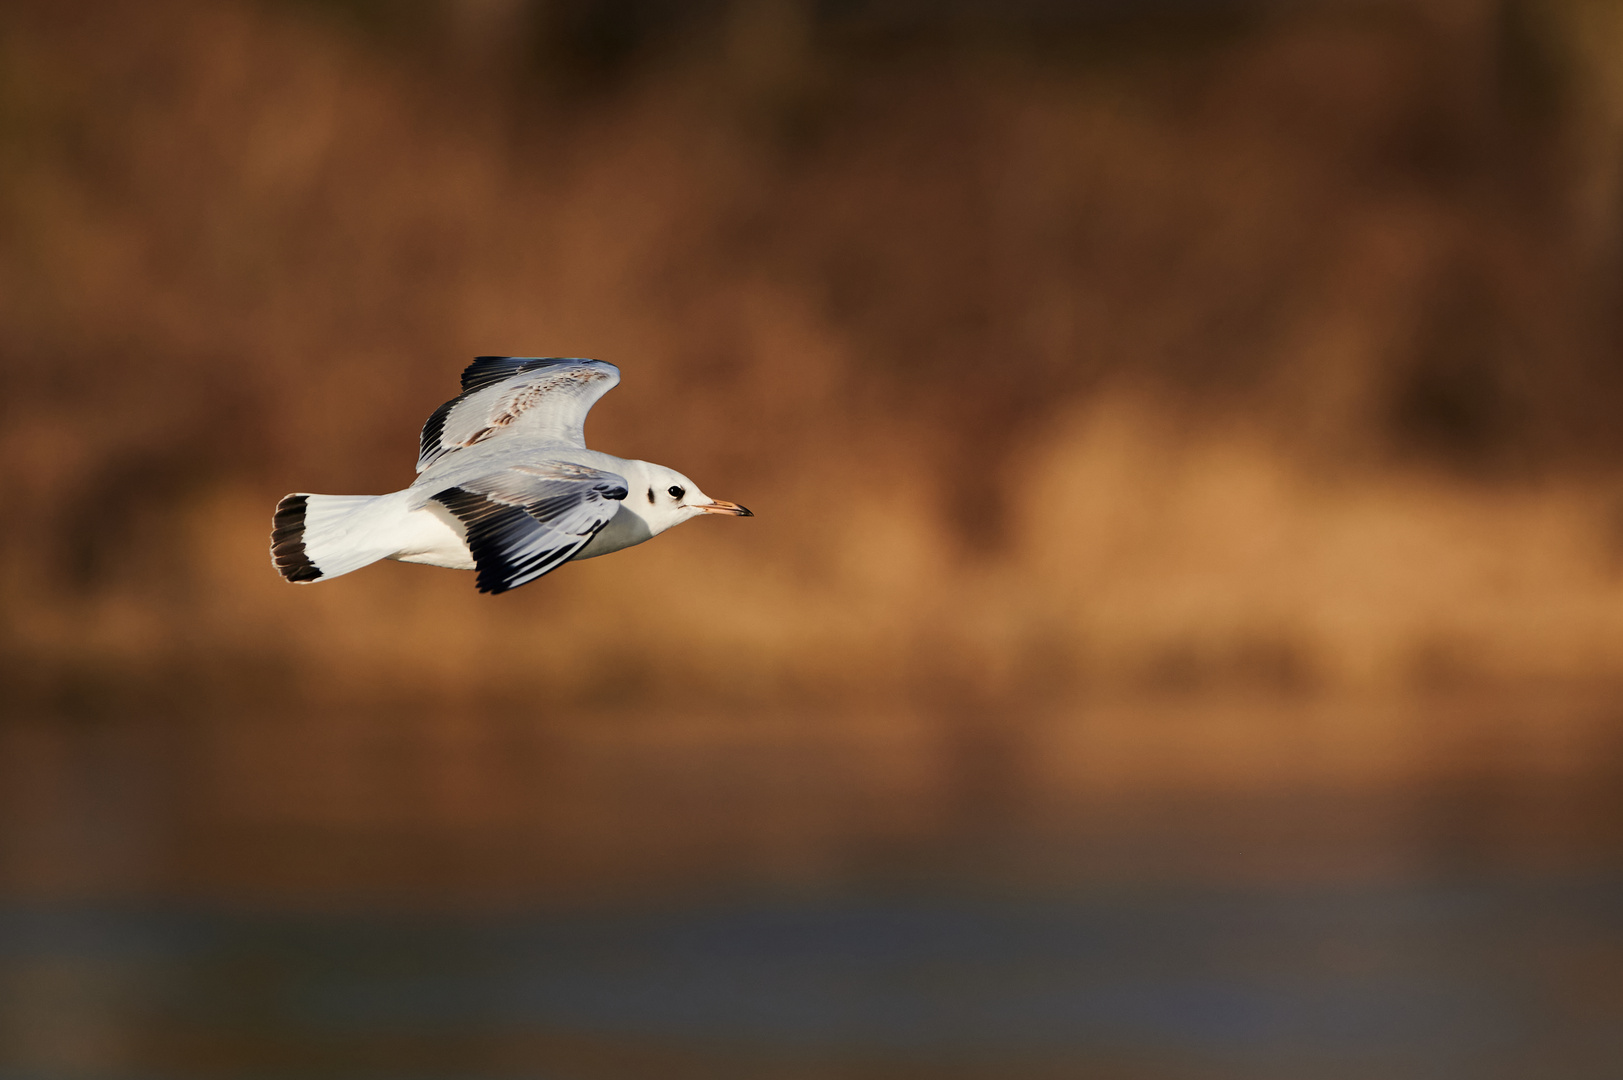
{"points": [[544, 398]]}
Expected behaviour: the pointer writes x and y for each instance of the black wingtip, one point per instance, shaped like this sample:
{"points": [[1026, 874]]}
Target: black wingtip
{"points": [[491, 583], [287, 542]]}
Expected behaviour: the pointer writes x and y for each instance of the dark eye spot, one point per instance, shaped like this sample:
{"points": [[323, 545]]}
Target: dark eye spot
{"points": [[650, 494], [676, 492]]}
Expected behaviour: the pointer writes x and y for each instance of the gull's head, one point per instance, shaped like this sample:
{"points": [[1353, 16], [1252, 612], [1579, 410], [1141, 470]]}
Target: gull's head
{"points": [[665, 497]]}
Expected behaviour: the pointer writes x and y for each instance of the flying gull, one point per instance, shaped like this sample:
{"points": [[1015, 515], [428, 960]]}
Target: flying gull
{"points": [[505, 486]]}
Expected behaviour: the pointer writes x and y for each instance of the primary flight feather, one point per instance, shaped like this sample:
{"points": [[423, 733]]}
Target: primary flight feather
{"points": [[505, 486]]}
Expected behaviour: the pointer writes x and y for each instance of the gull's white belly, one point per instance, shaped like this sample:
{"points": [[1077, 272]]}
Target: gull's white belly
{"points": [[434, 536]]}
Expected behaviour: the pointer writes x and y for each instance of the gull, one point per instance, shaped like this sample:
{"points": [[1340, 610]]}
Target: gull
{"points": [[505, 486]]}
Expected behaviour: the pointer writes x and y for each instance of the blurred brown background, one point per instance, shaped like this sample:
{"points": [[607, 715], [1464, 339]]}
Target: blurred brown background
{"points": [[1183, 437], [1182, 633]]}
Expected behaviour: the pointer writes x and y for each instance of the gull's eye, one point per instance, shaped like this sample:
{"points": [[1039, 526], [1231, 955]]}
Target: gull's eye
{"points": [[676, 492]]}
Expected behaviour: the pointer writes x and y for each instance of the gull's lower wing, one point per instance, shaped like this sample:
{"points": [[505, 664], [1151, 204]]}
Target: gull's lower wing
{"points": [[528, 520], [544, 396]]}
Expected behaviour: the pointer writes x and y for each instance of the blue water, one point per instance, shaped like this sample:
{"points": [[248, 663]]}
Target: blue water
{"points": [[1494, 979]]}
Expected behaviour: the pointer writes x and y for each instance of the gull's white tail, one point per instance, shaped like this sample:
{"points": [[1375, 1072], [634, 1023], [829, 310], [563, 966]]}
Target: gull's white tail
{"points": [[321, 536]]}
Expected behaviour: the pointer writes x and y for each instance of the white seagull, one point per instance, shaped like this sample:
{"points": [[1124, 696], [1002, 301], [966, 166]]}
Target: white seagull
{"points": [[505, 486]]}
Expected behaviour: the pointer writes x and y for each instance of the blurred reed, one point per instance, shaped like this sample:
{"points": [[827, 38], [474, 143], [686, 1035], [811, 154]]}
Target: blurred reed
{"points": [[1280, 354], [1067, 361]]}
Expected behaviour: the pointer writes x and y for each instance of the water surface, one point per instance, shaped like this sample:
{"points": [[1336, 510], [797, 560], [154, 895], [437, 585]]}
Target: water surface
{"points": [[1501, 978]]}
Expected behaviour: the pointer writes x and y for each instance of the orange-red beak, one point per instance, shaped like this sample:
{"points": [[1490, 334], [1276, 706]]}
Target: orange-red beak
{"points": [[722, 506]]}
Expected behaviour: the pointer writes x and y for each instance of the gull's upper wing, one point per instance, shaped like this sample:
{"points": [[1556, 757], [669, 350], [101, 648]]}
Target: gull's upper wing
{"points": [[543, 396], [525, 521]]}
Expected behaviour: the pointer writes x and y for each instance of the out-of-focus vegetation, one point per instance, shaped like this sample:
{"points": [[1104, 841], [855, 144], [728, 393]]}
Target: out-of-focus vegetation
{"points": [[1112, 353]]}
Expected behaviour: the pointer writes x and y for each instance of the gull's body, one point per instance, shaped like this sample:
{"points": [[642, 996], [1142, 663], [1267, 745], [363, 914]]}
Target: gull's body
{"points": [[505, 486]]}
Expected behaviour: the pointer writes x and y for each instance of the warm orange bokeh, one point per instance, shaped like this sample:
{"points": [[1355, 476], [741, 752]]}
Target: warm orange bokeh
{"points": [[1192, 410]]}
